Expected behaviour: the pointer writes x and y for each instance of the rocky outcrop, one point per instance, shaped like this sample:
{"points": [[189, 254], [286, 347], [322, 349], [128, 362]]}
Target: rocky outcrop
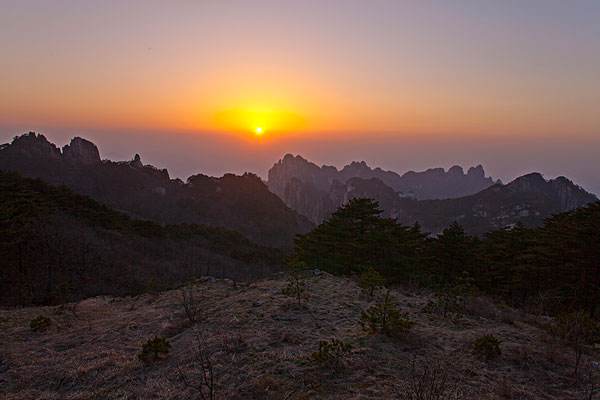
{"points": [[32, 145], [561, 190], [136, 162], [81, 151]]}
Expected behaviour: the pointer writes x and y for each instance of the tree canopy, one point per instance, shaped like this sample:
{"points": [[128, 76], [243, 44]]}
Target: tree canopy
{"points": [[555, 267]]}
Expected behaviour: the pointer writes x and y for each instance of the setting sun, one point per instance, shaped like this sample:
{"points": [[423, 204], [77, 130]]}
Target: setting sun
{"points": [[258, 120]]}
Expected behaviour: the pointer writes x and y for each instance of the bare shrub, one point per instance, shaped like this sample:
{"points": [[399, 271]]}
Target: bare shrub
{"points": [[576, 330], [204, 382], [431, 381], [191, 305], [296, 287]]}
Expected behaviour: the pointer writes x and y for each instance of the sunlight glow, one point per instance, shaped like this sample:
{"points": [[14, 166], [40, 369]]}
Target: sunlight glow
{"points": [[257, 120]]}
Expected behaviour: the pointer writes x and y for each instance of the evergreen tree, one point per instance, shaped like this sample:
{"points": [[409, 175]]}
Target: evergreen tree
{"points": [[356, 236], [451, 254]]}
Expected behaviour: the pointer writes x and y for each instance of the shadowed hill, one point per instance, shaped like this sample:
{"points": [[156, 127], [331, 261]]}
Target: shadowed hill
{"points": [[57, 245]]}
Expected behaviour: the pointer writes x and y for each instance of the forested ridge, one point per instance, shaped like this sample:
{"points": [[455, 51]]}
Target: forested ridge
{"points": [[555, 267], [56, 245]]}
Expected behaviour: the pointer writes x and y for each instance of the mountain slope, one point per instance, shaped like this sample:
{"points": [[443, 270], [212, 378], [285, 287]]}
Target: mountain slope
{"points": [[529, 200], [56, 245], [243, 203]]}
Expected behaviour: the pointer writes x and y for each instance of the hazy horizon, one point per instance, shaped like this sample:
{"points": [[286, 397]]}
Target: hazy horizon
{"points": [[208, 154]]}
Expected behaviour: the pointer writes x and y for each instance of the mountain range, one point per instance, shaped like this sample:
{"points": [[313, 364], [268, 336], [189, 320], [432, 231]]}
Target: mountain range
{"points": [[298, 194], [434, 198], [243, 203]]}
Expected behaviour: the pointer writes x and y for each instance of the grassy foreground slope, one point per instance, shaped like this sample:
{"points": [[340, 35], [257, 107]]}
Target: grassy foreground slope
{"points": [[260, 343]]}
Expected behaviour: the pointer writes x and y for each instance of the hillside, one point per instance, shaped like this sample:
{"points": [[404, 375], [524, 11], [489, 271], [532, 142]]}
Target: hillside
{"points": [[241, 203], [260, 343], [57, 245]]}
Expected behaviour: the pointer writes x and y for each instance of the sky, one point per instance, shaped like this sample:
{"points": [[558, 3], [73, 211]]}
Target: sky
{"points": [[231, 86]]}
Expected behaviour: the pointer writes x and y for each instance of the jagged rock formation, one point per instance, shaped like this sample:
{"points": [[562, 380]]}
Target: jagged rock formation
{"points": [[307, 188], [317, 192], [242, 203], [81, 151]]}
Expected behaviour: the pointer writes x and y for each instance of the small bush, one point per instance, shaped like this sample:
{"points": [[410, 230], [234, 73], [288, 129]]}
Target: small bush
{"points": [[191, 305], [154, 349], [39, 323], [385, 317], [332, 352], [487, 347], [296, 288], [205, 379], [370, 280]]}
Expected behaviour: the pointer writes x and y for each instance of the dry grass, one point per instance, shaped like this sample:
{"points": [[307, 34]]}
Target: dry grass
{"points": [[261, 343]]}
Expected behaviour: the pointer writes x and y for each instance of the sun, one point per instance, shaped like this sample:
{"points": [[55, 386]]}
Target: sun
{"points": [[258, 130]]}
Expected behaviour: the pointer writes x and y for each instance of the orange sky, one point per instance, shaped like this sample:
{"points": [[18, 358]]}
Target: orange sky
{"points": [[378, 71], [216, 66]]}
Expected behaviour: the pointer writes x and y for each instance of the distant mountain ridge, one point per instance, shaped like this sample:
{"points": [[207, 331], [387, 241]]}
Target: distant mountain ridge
{"points": [[306, 187], [317, 192], [242, 203], [434, 183]]}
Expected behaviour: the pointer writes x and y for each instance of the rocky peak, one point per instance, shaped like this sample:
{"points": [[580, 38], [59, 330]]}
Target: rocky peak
{"points": [[34, 145], [357, 165], [529, 182], [81, 151], [476, 172], [570, 195], [456, 171], [136, 162], [290, 167]]}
